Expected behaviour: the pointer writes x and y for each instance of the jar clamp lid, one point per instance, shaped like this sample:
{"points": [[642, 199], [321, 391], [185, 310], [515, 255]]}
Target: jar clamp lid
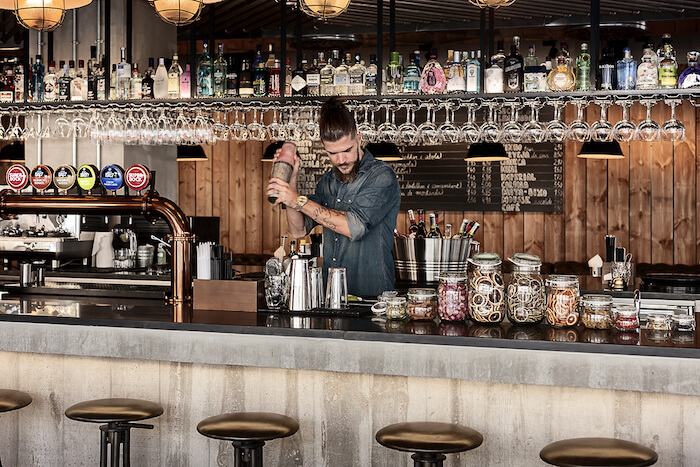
{"points": [[561, 280], [525, 259], [485, 259]]}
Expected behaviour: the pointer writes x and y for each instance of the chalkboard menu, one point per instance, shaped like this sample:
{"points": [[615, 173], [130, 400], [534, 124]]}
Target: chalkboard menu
{"points": [[438, 178]]}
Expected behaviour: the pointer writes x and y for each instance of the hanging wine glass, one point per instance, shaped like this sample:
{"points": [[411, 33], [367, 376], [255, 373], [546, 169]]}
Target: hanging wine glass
{"points": [[624, 130], [311, 127], [63, 126], [147, 135], [30, 127], [220, 128], [491, 132], [579, 128], [114, 129], [512, 131], [470, 131], [602, 130], [276, 130], [256, 130], [239, 130], [673, 129], [448, 131], [648, 130], [183, 134], [131, 130], [95, 130], [408, 131], [427, 130], [367, 128], [387, 131], [534, 131], [80, 125], [557, 131]]}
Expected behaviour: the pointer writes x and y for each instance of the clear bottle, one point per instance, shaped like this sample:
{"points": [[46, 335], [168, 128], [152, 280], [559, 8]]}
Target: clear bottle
{"points": [[174, 79], [298, 83], [273, 79], [51, 83], [607, 78], [473, 72], [313, 76], [245, 79], [147, 82], [647, 71], [626, 71], [326, 77], [494, 78], [357, 77], [500, 55], [160, 81], [531, 59], [456, 81], [562, 300], [186, 83], [371, 76], [19, 82], [288, 78], [525, 293], [93, 66], [136, 84], [411, 75], [260, 80], [394, 75], [568, 59], [690, 77], [341, 75], [231, 77], [64, 83], [123, 76], [535, 74], [220, 69], [668, 66], [487, 298], [561, 78], [513, 68], [112, 81], [433, 80], [204, 78], [583, 69], [101, 82]]}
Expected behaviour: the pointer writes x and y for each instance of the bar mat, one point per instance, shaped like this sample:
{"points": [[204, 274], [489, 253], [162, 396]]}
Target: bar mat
{"points": [[351, 311]]}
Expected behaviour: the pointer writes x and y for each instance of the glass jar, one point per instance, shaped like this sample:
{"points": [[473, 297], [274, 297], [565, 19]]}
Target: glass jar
{"points": [[422, 304], [683, 323], [396, 308], [452, 296], [626, 319], [658, 322], [562, 300], [596, 311], [486, 289], [525, 294]]}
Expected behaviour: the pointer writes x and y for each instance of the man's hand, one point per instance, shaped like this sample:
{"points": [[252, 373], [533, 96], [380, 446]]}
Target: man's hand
{"points": [[284, 191]]}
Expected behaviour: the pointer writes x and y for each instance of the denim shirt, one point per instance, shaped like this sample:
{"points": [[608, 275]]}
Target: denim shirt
{"points": [[371, 204]]}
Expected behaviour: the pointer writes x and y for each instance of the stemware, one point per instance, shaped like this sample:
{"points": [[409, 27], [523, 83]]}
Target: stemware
{"points": [[470, 131], [448, 131], [311, 127], [579, 128], [387, 131], [147, 134], [427, 130], [220, 129], [114, 129], [673, 129], [624, 130], [408, 131], [183, 132], [64, 129], [648, 130], [491, 131], [602, 130], [131, 129], [557, 131], [15, 132], [277, 131], [80, 126], [239, 131], [256, 130], [95, 127], [512, 130], [366, 128], [534, 131]]}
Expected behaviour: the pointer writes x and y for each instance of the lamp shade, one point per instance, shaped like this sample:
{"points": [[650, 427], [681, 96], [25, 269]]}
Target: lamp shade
{"points": [[69, 4], [190, 153], [491, 3], [270, 151], [12, 152], [178, 12], [385, 151], [40, 15], [324, 8], [485, 152], [601, 150]]}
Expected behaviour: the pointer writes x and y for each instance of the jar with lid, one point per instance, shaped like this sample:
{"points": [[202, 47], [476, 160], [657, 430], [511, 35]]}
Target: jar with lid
{"points": [[396, 308], [683, 323], [422, 304], [658, 322], [525, 294], [562, 300], [486, 289], [626, 319], [452, 296], [596, 311]]}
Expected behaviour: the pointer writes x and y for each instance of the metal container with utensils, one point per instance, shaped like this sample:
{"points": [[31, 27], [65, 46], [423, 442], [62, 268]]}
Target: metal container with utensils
{"points": [[422, 259], [300, 293]]}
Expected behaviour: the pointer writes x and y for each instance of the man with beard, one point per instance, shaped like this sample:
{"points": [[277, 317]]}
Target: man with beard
{"points": [[356, 203]]}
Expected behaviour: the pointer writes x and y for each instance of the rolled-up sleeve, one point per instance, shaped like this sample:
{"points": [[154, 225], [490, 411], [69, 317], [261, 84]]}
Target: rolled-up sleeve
{"points": [[374, 201]]}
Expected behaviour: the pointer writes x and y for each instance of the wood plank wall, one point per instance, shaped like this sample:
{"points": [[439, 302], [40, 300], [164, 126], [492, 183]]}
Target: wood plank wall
{"points": [[648, 200]]}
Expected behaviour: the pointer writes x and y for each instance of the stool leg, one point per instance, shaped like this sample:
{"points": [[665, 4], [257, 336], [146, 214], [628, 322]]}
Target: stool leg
{"points": [[114, 439], [104, 434], [427, 460], [126, 437], [248, 454]]}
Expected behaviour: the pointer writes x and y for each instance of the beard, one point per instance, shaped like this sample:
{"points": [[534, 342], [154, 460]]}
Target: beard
{"points": [[354, 170]]}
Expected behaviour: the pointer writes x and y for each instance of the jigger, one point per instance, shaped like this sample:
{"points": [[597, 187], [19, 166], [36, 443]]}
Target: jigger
{"points": [[300, 293]]}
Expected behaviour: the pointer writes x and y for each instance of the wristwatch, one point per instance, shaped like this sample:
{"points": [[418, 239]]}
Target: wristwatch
{"points": [[301, 201]]}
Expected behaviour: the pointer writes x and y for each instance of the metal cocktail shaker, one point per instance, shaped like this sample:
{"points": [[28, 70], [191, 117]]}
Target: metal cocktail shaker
{"points": [[300, 293]]}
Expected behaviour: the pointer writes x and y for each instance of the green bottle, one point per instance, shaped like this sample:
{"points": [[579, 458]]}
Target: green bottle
{"points": [[583, 69]]}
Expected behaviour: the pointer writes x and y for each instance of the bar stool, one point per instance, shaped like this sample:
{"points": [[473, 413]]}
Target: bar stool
{"points": [[248, 431], [588, 452], [429, 441], [13, 400], [118, 416]]}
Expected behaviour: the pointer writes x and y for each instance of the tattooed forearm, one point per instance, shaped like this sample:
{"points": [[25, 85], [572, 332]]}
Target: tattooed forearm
{"points": [[324, 216]]}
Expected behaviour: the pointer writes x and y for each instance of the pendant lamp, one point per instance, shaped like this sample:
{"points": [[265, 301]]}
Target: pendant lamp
{"points": [[485, 152], [387, 152], [601, 150], [190, 153], [178, 12], [40, 15], [324, 9], [491, 3]]}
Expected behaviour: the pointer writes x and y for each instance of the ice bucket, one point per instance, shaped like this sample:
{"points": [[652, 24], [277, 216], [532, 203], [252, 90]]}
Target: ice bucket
{"points": [[422, 259]]}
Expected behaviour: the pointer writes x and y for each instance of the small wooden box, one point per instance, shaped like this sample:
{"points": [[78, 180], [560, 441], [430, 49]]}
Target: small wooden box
{"points": [[235, 295]]}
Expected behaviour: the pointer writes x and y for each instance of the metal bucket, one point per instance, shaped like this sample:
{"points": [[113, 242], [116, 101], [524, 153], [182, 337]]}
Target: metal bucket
{"points": [[422, 259]]}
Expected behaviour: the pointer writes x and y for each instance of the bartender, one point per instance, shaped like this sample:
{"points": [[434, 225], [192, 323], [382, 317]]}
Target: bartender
{"points": [[356, 203]]}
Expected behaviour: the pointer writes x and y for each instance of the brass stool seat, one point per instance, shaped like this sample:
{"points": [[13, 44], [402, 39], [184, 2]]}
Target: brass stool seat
{"points": [[118, 416], [592, 452], [11, 399], [248, 431], [430, 441]]}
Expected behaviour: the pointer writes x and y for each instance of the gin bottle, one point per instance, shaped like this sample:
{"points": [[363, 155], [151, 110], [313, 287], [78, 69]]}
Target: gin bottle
{"points": [[160, 81], [51, 83], [327, 74], [147, 82], [433, 79], [690, 78], [583, 69], [186, 83], [411, 75], [220, 69], [494, 78], [668, 66], [456, 82], [371, 76], [313, 77], [357, 77], [513, 68], [647, 71], [204, 78], [174, 79], [123, 76], [473, 72], [607, 69], [341, 75], [626, 71], [394, 75]]}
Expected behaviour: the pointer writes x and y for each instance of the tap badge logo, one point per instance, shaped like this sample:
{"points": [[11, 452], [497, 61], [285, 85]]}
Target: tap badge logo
{"points": [[112, 177], [137, 177], [41, 177], [87, 177], [17, 177], [64, 177]]}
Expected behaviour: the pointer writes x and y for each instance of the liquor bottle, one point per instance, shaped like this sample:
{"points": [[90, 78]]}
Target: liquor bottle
{"points": [[270, 62], [112, 82], [448, 230], [19, 82], [583, 69], [627, 71], [101, 80], [568, 59], [260, 80], [174, 78], [313, 77], [661, 51], [160, 81], [535, 74], [607, 70], [456, 82], [450, 60], [668, 66], [147, 82], [412, 75], [298, 84], [288, 78], [231, 77], [462, 230], [64, 84], [473, 72], [123, 76], [437, 225], [204, 79], [500, 55], [494, 78], [92, 67], [136, 83], [220, 68], [513, 69], [326, 76], [357, 77], [341, 74], [245, 79], [371, 76], [561, 78], [433, 79], [422, 232], [531, 59], [647, 71], [51, 83], [186, 83], [412, 227], [690, 77], [394, 75], [472, 230], [273, 79], [433, 227], [78, 84]]}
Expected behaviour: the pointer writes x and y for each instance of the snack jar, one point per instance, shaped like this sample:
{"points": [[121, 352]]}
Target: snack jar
{"points": [[627, 319], [683, 323], [562, 300], [396, 308], [422, 304], [596, 311], [487, 302], [658, 322], [525, 294], [452, 296]]}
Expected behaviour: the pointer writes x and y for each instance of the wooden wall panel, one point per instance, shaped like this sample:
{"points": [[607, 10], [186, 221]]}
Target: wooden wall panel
{"points": [[204, 184], [574, 197], [684, 181], [533, 233], [619, 189], [640, 193], [493, 233], [596, 197], [661, 193], [237, 193], [220, 180], [514, 241], [254, 194], [186, 186]]}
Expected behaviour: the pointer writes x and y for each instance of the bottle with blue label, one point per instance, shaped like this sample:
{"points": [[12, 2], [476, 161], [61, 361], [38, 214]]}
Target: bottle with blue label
{"points": [[626, 71], [411, 75]]}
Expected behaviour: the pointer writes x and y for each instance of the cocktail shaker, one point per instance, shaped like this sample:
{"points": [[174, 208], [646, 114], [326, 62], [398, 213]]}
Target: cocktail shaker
{"points": [[300, 293]]}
